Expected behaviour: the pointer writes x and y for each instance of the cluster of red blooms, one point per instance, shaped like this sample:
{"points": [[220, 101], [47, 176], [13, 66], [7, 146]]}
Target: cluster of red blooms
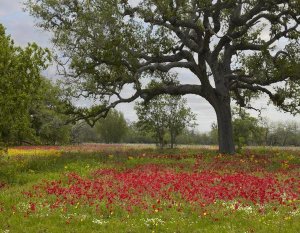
{"points": [[167, 187]]}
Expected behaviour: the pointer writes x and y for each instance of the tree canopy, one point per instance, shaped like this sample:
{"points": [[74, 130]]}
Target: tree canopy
{"points": [[231, 47], [46, 113], [20, 80], [247, 130]]}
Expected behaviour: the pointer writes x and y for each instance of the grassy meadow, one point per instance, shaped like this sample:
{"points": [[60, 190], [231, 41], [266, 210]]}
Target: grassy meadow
{"points": [[117, 188]]}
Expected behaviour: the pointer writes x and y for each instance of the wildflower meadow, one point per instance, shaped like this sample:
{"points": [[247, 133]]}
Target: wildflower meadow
{"points": [[115, 188]]}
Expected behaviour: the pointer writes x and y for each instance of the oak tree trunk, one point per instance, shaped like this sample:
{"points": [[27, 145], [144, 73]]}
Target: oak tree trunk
{"points": [[225, 131]]}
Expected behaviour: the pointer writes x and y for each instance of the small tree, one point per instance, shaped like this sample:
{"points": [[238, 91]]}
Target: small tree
{"points": [[165, 114], [214, 133], [247, 130], [112, 128]]}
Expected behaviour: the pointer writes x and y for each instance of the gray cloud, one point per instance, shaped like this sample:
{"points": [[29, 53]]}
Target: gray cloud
{"points": [[9, 7], [21, 26]]}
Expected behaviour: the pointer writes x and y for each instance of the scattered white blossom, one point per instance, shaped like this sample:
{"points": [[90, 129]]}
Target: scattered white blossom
{"points": [[295, 212], [153, 222], [99, 221]]}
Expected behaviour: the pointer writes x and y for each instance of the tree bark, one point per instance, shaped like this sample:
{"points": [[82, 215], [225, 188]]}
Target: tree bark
{"points": [[172, 139], [160, 138], [225, 131]]}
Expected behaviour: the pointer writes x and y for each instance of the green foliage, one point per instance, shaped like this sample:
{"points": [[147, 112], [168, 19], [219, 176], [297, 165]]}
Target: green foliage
{"points": [[214, 133], [29, 103], [82, 132], [47, 118], [112, 128], [251, 131], [20, 81], [162, 115], [247, 130], [192, 137], [283, 134], [284, 66], [136, 135]]}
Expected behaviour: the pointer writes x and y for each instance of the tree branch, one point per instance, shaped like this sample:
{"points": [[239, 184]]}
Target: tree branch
{"points": [[147, 94], [165, 67]]}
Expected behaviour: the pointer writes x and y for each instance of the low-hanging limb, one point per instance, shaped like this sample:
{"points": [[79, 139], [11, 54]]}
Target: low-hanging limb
{"points": [[275, 98], [100, 111]]}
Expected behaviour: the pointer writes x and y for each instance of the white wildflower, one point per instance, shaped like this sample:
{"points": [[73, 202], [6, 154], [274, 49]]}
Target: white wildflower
{"points": [[153, 222], [99, 221], [295, 212]]}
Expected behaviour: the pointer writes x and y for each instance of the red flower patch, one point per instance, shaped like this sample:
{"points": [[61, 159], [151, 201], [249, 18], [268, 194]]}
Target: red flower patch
{"points": [[166, 188]]}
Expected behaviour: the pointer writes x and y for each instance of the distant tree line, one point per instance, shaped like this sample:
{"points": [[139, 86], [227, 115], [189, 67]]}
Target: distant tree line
{"points": [[247, 131]]}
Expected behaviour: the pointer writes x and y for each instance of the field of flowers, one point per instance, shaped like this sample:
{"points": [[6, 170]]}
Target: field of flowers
{"points": [[117, 188]]}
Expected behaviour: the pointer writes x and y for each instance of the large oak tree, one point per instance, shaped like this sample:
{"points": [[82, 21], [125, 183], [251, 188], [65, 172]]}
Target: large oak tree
{"points": [[229, 45]]}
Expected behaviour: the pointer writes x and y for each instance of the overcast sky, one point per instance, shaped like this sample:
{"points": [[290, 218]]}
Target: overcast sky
{"points": [[22, 28]]}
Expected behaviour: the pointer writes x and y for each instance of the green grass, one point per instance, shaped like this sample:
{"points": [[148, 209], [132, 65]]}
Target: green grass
{"points": [[22, 173]]}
